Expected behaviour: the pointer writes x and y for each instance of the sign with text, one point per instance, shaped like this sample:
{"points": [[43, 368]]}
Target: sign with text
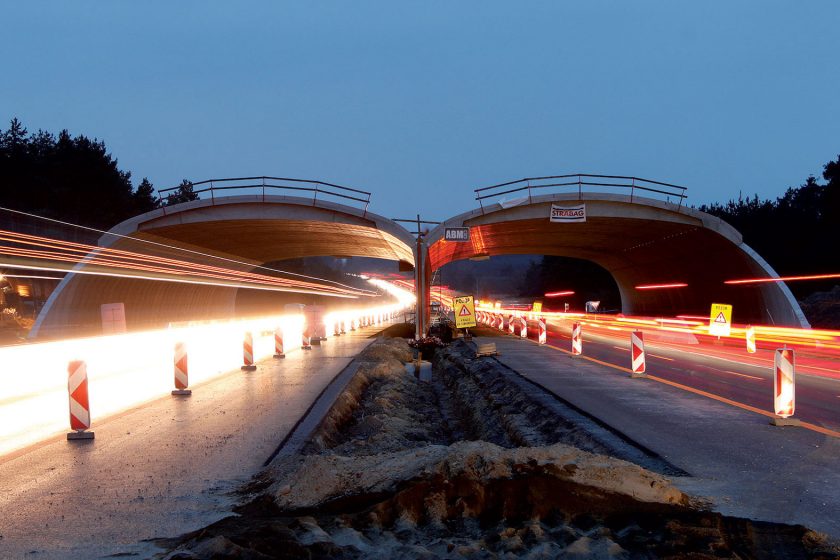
{"points": [[720, 319], [536, 307], [456, 234], [568, 214], [464, 309]]}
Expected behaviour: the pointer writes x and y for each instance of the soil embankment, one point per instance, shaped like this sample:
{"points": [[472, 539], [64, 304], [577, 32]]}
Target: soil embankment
{"points": [[474, 464]]}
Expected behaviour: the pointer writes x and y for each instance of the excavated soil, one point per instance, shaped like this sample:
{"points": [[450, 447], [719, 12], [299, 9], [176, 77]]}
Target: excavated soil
{"points": [[473, 465]]}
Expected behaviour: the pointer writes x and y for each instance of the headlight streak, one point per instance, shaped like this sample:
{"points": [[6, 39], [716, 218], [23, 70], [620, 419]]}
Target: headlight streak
{"points": [[127, 370], [169, 247], [58, 251]]}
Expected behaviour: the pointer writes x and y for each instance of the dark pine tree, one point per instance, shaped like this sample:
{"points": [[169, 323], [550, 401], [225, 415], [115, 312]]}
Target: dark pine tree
{"points": [[73, 179]]}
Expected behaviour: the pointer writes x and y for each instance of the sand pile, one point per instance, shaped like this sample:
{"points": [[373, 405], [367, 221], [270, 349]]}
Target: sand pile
{"points": [[403, 469]]}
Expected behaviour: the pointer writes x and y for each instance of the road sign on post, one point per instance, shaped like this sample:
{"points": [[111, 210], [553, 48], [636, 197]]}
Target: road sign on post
{"points": [[720, 319], [464, 309], [456, 234]]}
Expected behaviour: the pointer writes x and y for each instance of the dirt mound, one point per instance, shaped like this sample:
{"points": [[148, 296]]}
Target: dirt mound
{"points": [[477, 500], [315, 481], [387, 348]]}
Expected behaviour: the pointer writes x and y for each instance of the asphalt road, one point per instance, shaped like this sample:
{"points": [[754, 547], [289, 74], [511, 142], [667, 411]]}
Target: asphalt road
{"points": [[161, 469], [744, 379]]}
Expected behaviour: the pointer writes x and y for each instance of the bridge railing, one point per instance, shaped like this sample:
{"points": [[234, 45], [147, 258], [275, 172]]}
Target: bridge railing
{"points": [[263, 185], [580, 181]]}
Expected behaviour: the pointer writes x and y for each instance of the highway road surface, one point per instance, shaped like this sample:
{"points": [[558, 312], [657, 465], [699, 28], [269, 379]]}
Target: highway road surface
{"points": [[161, 469], [724, 371]]}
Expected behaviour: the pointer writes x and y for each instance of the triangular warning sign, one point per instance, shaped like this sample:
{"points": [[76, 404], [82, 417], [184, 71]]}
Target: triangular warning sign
{"points": [[720, 318], [464, 311]]}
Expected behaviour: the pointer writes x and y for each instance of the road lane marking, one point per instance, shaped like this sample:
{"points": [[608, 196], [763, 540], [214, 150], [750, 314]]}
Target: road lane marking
{"points": [[660, 357], [800, 368], [743, 374], [806, 425], [620, 348]]}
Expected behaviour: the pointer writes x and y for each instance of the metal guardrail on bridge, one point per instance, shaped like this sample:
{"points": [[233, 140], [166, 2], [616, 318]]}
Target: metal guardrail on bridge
{"points": [[578, 181], [260, 185]]}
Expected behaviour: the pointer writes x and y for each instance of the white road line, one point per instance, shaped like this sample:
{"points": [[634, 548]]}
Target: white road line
{"points": [[620, 348], [661, 357], [742, 374]]}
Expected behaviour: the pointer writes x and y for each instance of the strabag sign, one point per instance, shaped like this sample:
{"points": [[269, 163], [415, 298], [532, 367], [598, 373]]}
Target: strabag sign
{"points": [[568, 214]]}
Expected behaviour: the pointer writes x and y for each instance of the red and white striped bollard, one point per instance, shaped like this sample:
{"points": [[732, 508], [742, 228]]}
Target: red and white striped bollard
{"points": [[77, 389], [278, 344], [637, 354], [181, 369], [248, 352], [784, 388], [749, 336], [543, 331], [577, 340]]}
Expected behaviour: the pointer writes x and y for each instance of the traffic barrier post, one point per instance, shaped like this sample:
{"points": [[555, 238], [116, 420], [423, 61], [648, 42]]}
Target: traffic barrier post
{"points": [[523, 332], [749, 335], [248, 352], [577, 340], [77, 389], [637, 354], [182, 378], [278, 344], [543, 338], [784, 388]]}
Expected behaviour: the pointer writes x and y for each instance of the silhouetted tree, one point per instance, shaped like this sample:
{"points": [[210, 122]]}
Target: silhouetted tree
{"points": [[67, 178], [183, 194], [797, 233], [144, 197]]}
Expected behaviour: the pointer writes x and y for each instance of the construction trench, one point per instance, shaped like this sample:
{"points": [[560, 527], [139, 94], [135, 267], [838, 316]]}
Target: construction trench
{"points": [[475, 463]]}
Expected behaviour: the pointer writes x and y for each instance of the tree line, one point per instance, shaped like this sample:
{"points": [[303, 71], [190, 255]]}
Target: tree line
{"points": [[72, 178], [798, 233]]}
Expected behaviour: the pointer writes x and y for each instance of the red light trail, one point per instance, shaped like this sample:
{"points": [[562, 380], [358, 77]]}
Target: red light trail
{"points": [[783, 279], [558, 294], [662, 286]]}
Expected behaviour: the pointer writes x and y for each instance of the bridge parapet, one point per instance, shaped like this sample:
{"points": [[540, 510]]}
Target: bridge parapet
{"points": [[216, 188], [582, 181]]}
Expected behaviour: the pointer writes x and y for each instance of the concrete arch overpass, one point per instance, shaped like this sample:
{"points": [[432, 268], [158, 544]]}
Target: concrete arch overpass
{"points": [[250, 229], [640, 241]]}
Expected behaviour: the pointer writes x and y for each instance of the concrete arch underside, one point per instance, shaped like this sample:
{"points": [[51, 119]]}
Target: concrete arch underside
{"points": [[250, 229], [640, 242]]}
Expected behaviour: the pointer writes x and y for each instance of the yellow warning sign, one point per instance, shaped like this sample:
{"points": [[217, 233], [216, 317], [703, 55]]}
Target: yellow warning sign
{"points": [[537, 307], [720, 319], [464, 312]]}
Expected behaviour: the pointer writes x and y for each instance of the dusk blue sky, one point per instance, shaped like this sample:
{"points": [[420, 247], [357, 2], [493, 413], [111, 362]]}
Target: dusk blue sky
{"points": [[420, 102]]}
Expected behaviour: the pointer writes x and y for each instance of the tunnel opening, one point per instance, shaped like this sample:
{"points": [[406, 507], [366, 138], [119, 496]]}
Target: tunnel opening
{"points": [[530, 277]]}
